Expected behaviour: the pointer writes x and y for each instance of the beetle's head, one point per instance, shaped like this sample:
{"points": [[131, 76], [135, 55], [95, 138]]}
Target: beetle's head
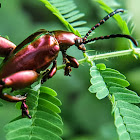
{"points": [[79, 44]]}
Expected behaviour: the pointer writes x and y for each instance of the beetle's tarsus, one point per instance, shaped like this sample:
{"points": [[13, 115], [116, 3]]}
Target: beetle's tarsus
{"points": [[24, 108], [16, 98], [64, 56], [45, 75], [67, 69], [10, 98]]}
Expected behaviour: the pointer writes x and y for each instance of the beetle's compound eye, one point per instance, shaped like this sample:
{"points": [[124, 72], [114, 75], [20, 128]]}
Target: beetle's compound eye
{"points": [[79, 44]]}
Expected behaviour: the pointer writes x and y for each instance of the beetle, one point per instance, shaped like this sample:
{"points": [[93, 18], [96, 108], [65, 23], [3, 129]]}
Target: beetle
{"points": [[23, 63]]}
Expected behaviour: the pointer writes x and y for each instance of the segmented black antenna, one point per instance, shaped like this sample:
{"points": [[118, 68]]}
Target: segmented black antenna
{"points": [[111, 36], [102, 21], [85, 41]]}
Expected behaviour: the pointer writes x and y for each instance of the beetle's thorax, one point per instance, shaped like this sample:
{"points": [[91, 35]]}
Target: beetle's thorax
{"points": [[65, 39]]}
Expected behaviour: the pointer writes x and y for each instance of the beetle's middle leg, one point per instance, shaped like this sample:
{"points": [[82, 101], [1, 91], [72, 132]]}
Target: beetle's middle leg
{"points": [[49, 73], [70, 62]]}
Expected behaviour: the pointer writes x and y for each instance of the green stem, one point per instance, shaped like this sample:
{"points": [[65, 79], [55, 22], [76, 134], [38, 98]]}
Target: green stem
{"points": [[115, 54], [88, 59]]}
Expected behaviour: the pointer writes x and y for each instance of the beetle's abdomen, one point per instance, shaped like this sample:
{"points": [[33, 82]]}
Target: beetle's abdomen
{"points": [[35, 56]]}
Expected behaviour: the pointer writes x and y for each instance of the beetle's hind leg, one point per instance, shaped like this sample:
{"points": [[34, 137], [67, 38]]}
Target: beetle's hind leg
{"points": [[8, 97], [70, 62], [17, 98], [18, 80], [24, 108]]}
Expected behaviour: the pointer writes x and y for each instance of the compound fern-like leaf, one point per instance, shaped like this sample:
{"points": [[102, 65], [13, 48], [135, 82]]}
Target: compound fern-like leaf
{"points": [[127, 120], [45, 122], [98, 85], [126, 114], [124, 94], [66, 11]]}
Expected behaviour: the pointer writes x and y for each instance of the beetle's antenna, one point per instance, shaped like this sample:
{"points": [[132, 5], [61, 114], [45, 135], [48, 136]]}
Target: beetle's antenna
{"points": [[102, 21], [111, 36]]}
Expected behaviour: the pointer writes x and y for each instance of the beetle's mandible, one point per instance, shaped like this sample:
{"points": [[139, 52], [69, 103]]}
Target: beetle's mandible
{"points": [[23, 63]]}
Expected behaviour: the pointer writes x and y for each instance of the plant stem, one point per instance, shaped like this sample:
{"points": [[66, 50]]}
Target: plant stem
{"points": [[115, 54], [134, 52]]}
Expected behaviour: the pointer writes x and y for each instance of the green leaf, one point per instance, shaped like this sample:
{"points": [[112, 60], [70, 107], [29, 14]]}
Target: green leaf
{"points": [[49, 105], [75, 17], [44, 134], [101, 66], [98, 85], [50, 98], [18, 105], [1, 104], [127, 97], [121, 90], [116, 80], [12, 126], [121, 129], [127, 120], [77, 23], [45, 122], [124, 94], [104, 78], [113, 77], [113, 74], [48, 91], [111, 70], [127, 116]]}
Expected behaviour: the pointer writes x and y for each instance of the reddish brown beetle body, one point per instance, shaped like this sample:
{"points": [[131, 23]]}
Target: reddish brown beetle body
{"points": [[38, 54], [22, 64], [35, 56], [65, 39]]}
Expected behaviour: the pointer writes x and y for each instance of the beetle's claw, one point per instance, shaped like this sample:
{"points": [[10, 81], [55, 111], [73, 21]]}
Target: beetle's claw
{"points": [[65, 60], [24, 108], [67, 69], [44, 79]]}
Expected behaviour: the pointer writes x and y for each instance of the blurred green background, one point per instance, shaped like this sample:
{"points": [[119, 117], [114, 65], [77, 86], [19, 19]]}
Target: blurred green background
{"points": [[85, 117]]}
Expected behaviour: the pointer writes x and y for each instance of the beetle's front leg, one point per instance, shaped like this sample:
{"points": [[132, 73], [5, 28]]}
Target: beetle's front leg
{"points": [[65, 60], [49, 73], [70, 62], [67, 69]]}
